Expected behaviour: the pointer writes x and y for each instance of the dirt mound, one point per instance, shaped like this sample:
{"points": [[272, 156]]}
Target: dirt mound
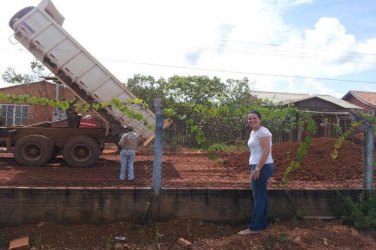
{"points": [[194, 169], [318, 163]]}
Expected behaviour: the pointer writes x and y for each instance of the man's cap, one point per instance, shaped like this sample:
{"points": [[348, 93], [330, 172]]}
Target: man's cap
{"points": [[129, 128]]}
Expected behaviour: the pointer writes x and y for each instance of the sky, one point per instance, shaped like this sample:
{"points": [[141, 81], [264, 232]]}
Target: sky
{"points": [[295, 46]]}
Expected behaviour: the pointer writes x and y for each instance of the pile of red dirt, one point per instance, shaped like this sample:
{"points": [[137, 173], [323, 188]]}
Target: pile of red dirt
{"points": [[318, 164], [193, 169]]}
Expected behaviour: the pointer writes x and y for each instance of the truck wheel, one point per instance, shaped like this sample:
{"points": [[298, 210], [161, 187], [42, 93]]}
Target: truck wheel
{"points": [[33, 150], [81, 151]]}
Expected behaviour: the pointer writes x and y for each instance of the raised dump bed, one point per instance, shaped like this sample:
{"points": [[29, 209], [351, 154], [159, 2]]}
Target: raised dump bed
{"points": [[39, 29]]}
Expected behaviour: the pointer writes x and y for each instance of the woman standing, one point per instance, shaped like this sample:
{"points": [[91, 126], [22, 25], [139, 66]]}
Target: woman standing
{"points": [[262, 168]]}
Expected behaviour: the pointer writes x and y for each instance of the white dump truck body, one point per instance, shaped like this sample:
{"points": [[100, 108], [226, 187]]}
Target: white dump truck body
{"points": [[39, 29]]}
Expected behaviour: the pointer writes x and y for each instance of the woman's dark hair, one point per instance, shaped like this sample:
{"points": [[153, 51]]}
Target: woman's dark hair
{"points": [[256, 113]]}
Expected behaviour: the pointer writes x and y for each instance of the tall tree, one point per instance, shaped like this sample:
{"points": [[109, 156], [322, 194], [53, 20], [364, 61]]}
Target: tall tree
{"points": [[11, 76], [147, 88], [195, 89]]}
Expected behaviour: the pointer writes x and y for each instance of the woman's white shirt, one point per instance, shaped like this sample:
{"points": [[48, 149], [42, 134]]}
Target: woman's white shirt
{"points": [[255, 145]]}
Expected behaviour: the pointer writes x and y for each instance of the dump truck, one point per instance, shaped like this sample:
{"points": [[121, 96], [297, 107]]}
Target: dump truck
{"points": [[39, 30]]}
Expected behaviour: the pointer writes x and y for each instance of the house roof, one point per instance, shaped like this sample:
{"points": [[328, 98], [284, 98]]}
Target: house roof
{"points": [[368, 98], [291, 98], [26, 84], [278, 97]]}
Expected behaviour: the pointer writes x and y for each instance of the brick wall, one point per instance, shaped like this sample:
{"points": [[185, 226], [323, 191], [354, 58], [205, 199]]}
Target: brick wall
{"points": [[39, 113]]}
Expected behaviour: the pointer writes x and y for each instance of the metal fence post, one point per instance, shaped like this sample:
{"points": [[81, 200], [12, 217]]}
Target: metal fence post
{"points": [[158, 147], [368, 156]]}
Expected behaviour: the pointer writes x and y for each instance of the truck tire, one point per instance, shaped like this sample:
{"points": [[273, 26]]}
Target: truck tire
{"points": [[33, 150], [81, 151]]}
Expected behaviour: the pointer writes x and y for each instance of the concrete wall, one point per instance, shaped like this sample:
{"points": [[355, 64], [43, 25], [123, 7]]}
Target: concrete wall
{"points": [[96, 205]]}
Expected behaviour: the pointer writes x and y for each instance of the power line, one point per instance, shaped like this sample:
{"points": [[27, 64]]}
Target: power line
{"points": [[237, 72], [279, 51], [243, 72], [278, 46]]}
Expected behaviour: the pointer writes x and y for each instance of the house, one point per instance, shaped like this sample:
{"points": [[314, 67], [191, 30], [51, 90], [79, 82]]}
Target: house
{"points": [[366, 100], [327, 110], [27, 114]]}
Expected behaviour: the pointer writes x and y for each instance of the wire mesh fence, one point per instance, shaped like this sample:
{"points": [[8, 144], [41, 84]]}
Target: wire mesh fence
{"points": [[188, 174]]}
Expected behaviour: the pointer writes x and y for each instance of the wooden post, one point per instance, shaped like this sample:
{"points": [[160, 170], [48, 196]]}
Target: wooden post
{"points": [[158, 147]]}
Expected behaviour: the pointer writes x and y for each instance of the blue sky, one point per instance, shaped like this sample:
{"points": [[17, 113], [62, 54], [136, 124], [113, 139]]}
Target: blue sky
{"points": [[279, 45], [359, 19], [357, 16]]}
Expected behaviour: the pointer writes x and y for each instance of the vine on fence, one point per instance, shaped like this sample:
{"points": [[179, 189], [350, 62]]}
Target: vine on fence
{"points": [[205, 121], [310, 128], [343, 137], [116, 103]]}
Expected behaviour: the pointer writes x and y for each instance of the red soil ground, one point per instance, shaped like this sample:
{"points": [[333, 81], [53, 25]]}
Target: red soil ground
{"points": [[286, 235], [194, 169]]}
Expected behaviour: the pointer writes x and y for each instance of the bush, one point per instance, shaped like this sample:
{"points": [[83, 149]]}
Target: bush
{"points": [[360, 213]]}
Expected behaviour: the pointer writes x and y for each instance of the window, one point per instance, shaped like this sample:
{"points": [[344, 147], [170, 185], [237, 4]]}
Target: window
{"points": [[14, 114]]}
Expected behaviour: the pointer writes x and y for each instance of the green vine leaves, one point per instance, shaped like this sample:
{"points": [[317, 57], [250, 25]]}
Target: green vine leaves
{"points": [[343, 137], [122, 106], [309, 126]]}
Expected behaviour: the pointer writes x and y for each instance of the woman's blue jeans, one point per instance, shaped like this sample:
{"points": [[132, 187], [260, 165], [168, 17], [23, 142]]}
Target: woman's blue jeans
{"points": [[259, 216]]}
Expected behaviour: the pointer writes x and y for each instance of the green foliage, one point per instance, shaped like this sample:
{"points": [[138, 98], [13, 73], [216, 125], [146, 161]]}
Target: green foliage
{"points": [[108, 242], [123, 107], [366, 116], [271, 241], [147, 88], [342, 138], [38, 242], [3, 241], [219, 147], [360, 213], [195, 89], [310, 129], [205, 105], [208, 105], [157, 236], [11, 76]]}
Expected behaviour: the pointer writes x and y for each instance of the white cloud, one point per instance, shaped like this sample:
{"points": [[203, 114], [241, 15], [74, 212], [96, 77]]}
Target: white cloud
{"points": [[144, 36]]}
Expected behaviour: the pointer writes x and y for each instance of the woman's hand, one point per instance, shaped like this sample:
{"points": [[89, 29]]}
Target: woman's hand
{"points": [[265, 145], [255, 174]]}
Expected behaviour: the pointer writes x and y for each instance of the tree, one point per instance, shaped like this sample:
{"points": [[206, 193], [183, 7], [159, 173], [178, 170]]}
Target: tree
{"points": [[208, 107], [238, 92], [11, 76], [195, 89], [147, 88]]}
